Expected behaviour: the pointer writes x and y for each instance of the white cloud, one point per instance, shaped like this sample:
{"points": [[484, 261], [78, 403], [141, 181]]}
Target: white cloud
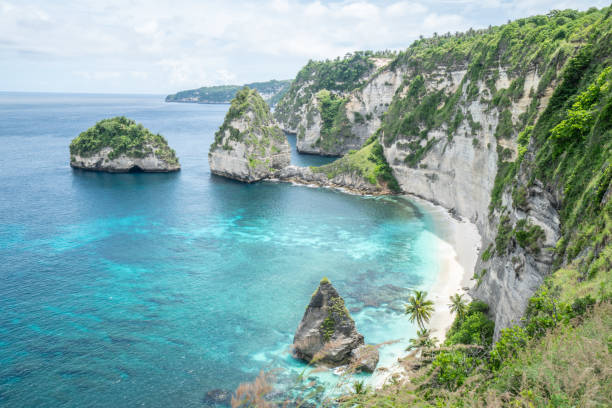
{"points": [[187, 43], [98, 75], [404, 8], [359, 10]]}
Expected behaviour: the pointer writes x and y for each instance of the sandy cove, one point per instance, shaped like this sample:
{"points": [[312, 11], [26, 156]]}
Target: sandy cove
{"points": [[458, 245]]}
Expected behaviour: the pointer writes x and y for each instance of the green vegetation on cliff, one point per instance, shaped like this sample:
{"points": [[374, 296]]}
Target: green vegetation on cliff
{"points": [[561, 353], [123, 136], [367, 162], [335, 125], [272, 92], [338, 76], [249, 121], [540, 43]]}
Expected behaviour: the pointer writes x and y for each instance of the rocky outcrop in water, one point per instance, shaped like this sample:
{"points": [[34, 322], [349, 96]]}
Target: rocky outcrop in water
{"points": [[249, 146], [120, 145], [327, 333], [352, 182]]}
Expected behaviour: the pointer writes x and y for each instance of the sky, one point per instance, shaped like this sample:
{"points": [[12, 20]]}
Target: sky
{"points": [[160, 47]]}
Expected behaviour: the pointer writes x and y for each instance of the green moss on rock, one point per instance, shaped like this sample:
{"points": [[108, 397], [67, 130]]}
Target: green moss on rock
{"points": [[123, 136]]}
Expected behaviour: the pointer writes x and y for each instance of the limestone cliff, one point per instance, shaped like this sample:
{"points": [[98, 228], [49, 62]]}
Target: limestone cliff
{"points": [[334, 106], [119, 145], [456, 164], [327, 333], [456, 116], [248, 146]]}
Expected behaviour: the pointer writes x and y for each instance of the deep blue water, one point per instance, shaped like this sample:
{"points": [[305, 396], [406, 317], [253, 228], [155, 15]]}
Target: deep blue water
{"points": [[152, 289]]}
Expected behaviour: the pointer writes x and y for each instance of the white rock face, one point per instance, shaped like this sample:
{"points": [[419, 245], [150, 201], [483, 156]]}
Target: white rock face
{"points": [[122, 164], [363, 109], [255, 156], [309, 129], [460, 174]]}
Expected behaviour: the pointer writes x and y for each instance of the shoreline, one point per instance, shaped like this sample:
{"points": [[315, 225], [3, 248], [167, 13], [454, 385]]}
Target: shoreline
{"points": [[459, 244], [459, 250], [332, 186]]}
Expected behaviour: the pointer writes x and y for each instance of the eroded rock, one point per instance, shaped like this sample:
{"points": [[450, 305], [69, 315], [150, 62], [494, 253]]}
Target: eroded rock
{"points": [[248, 146], [327, 333]]}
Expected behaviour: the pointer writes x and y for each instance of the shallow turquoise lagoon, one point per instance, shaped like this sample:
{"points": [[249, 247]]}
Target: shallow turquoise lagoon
{"points": [[152, 289]]}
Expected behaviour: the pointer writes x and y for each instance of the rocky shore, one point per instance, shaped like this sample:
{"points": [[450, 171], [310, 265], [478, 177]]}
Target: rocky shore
{"points": [[348, 182]]}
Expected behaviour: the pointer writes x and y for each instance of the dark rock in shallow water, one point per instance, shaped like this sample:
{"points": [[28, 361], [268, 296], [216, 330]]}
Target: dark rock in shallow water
{"points": [[365, 358], [327, 333], [218, 397]]}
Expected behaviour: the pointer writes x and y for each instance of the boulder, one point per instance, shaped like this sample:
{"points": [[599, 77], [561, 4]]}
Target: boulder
{"points": [[365, 358], [218, 397], [327, 333]]}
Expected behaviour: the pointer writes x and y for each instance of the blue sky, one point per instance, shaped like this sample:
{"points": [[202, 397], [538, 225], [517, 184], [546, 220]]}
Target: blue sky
{"points": [[148, 46]]}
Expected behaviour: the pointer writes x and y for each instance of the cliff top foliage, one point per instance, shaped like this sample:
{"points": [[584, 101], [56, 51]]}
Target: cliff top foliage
{"points": [[123, 136], [560, 354], [540, 43], [225, 93], [339, 75], [249, 106]]}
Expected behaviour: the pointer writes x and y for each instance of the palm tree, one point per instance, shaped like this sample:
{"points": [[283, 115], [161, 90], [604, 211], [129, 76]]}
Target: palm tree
{"points": [[419, 308], [458, 305], [423, 340]]}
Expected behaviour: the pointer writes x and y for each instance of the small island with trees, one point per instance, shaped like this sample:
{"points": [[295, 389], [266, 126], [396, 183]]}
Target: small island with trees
{"points": [[120, 145]]}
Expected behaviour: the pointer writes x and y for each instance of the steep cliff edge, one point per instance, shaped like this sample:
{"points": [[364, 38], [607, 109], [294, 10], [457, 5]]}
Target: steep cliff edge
{"points": [[120, 145], [458, 133], [334, 106], [512, 127], [455, 116], [248, 146]]}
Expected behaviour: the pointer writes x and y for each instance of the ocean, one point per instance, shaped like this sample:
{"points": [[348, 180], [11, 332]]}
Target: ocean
{"points": [[154, 289]]}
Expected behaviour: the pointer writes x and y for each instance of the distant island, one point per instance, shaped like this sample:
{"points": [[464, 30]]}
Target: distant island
{"points": [[271, 91], [120, 145]]}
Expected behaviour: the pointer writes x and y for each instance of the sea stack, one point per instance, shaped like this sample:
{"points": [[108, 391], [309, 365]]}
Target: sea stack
{"points": [[248, 146], [327, 333], [120, 145]]}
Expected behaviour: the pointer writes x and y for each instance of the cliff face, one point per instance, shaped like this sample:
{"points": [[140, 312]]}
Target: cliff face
{"points": [[334, 106], [248, 146], [456, 117], [100, 161], [459, 171]]}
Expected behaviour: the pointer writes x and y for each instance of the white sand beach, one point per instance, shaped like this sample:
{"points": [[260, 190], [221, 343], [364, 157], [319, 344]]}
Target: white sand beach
{"points": [[458, 244]]}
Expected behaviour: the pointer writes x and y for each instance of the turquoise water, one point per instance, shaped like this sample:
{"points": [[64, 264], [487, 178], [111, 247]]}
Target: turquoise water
{"points": [[152, 289]]}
